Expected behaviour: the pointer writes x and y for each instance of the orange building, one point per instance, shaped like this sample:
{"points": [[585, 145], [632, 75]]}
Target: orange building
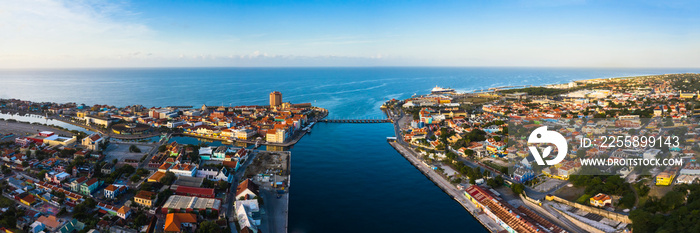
{"points": [[178, 222]]}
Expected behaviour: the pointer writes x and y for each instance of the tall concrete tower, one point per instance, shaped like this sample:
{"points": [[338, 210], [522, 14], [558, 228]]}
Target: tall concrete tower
{"points": [[275, 98]]}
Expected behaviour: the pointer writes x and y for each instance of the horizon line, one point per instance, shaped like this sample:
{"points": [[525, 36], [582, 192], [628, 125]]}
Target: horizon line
{"points": [[286, 67]]}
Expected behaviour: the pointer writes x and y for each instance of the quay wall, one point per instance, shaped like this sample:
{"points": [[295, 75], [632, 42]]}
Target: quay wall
{"points": [[457, 195], [590, 209]]}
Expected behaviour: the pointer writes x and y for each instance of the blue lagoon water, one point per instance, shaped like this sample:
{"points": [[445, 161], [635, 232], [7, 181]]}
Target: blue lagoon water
{"points": [[345, 177]]}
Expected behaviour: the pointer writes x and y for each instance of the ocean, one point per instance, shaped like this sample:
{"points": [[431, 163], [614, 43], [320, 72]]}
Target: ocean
{"points": [[345, 177]]}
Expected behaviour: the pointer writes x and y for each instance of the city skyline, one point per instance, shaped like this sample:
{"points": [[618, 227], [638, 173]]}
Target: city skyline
{"points": [[63, 34]]}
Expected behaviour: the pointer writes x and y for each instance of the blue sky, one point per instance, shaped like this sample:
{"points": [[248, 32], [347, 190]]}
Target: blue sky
{"points": [[566, 33]]}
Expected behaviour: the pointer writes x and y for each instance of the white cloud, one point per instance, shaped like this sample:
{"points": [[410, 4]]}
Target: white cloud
{"points": [[104, 33], [36, 31]]}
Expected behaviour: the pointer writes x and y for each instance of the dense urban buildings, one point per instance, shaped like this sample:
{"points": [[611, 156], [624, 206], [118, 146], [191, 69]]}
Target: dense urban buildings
{"points": [[128, 174], [479, 143]]}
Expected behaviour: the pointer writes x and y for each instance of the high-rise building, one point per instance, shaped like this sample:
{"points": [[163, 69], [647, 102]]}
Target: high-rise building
{"points": [[275, 98]]}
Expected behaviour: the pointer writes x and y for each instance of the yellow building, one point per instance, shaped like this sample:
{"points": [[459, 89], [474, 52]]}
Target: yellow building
{"points": [[664, 178], [276, 135], [28, 199], [687, 95], [156, 176], [244, 134], [554, 173], [145, 198], [601, 200], [81, 115]]}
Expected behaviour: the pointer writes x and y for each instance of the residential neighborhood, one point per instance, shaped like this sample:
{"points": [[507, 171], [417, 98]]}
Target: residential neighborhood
{"points": [[481, 143], [138, 178]]}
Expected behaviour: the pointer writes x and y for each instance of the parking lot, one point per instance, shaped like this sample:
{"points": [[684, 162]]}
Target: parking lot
{"points": [[25, 129], [548, 185]]}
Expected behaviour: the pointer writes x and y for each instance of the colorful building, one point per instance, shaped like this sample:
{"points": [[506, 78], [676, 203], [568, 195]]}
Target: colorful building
{"points": [[664, 178], [145, 198], [112, 191], [179, 222], [601, 200], [90, 186]]}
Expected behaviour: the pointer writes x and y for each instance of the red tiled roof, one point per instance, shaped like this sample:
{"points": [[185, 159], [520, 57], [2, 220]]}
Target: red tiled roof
{"points": [[231, 164], [145, 195], [81, 180], [247, 184], [111, 188], [95, 137], [91, 182], [194, 191], [165, 166]]}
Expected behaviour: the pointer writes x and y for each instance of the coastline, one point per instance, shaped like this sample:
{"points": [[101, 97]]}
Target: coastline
{"points": [[448, 188], [294, 139], [291, 142]]}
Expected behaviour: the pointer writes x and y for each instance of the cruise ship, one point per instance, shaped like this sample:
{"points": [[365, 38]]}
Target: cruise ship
{"points": [[440, 90]]}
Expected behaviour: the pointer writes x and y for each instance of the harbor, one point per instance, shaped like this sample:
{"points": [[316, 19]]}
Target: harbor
{"points": [[449, 189]]}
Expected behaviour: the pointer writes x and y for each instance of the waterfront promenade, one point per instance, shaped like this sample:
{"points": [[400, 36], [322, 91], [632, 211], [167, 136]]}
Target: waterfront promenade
{"points": [[294, 139], [447, 187]]}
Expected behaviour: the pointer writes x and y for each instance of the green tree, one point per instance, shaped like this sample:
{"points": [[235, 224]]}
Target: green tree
{"points": [[168, 178], [517, 188], [208, 227], [142, 172], [134, 149], [146, 186], [140, 219], [42, 173], [222, 184]]}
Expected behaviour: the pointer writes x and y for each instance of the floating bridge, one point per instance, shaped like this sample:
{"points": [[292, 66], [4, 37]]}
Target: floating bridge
{"points": [[356, 120]]}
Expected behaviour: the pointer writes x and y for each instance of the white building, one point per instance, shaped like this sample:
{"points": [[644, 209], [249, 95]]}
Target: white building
{"points": [[192, 113], [215, 174], [175, 124], [248, 214], [93, 142], [36, 227]]}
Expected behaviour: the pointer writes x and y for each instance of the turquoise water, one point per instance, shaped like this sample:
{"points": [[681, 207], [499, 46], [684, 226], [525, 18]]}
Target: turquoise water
{"points": [[345, 177]]}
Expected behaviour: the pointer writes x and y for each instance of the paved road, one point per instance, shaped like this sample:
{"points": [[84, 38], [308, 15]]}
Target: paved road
{"points": [[237, 178], [152, 152], [275, 211]]}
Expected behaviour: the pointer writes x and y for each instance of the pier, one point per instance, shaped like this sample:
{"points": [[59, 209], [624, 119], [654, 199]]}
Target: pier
{"points": [[356, 121]]}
